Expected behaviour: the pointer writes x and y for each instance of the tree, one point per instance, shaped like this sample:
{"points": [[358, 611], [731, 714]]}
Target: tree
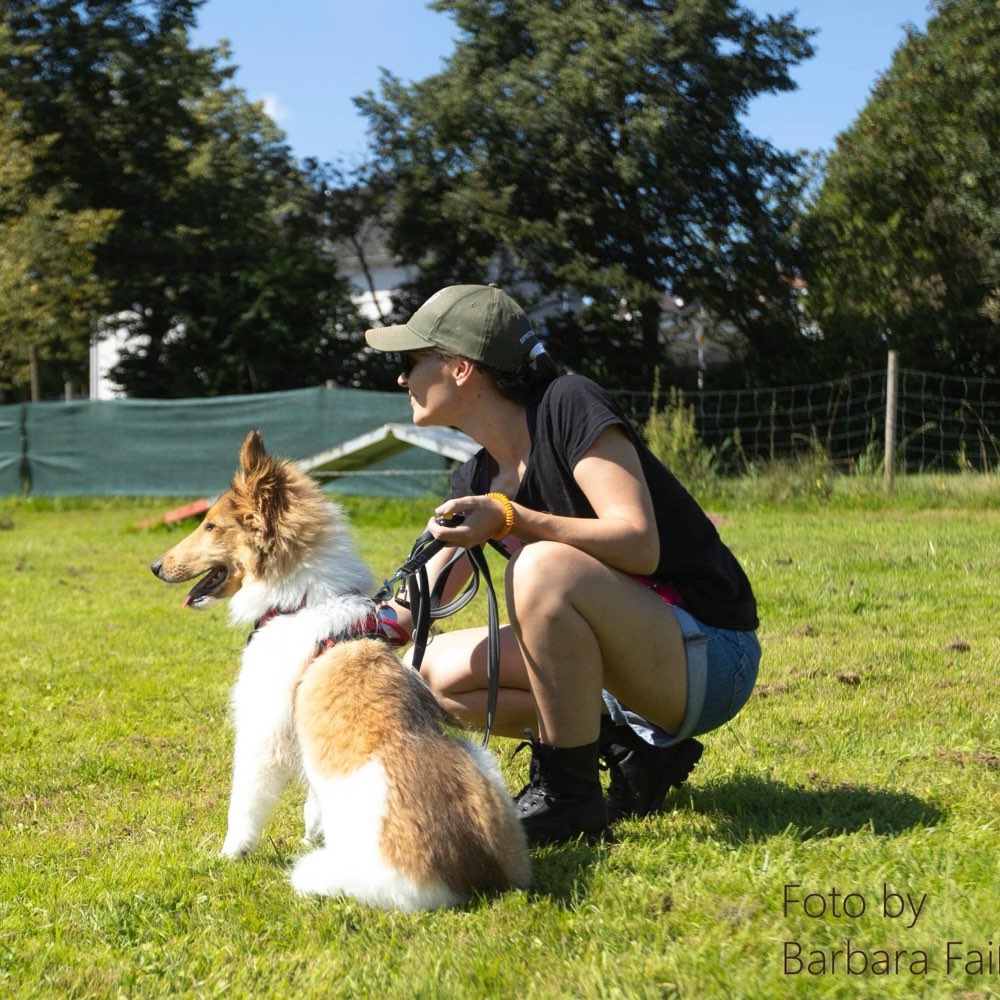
{"points": [[48, 287], [356, 222], [597, 145], [904, 236], [215, 263], [255, 304]]}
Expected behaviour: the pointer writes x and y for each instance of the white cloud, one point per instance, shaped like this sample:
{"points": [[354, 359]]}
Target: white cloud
{"points": [[274, 109]]}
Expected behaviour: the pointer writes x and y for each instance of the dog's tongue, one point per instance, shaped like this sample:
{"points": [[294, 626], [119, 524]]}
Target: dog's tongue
{"points": [[204, 591]]}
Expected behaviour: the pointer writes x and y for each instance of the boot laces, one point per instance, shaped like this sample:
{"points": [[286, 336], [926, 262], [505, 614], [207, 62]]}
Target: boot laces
{"points": [[534, 794], [530, 741]]}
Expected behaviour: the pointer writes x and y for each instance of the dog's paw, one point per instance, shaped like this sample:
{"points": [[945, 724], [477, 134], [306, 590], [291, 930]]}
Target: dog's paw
{"points": [[235, 848], [312, 820]]}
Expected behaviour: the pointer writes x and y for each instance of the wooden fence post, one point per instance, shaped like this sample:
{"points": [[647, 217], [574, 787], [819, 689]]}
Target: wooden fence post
{"points": [[891, 391], [36, 392]]}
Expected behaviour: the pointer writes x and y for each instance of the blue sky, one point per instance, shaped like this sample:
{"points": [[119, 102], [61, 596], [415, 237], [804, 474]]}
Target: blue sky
{"points": [[306, 59]]}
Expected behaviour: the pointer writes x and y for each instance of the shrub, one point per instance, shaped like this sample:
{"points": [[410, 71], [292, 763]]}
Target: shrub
{"points": [[672, 435]]}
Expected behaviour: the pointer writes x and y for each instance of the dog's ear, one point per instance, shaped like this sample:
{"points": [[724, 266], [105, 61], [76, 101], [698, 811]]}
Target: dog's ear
{"points": [[281, 508], [270, 502], [261, 488], [252, 453]]}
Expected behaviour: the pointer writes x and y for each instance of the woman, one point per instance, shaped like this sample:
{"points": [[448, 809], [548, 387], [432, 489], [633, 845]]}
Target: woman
{"points": [[631, 624]]}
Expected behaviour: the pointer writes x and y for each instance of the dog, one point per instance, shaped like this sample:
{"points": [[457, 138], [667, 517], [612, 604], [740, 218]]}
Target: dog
{"points": [[408, 816]]}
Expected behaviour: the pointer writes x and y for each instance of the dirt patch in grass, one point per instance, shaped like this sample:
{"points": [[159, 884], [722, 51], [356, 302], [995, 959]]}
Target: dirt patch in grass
{"points": [[974, 758]]}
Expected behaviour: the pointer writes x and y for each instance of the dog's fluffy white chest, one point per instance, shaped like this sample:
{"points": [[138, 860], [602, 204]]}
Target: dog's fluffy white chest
{"points": [[264, 694]]}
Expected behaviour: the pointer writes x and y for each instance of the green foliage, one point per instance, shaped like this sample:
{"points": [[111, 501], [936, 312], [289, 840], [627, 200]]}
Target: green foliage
{"points": [[867, 757], [810, 474], [671, 434], [48, 286], [904, 237], [987, 459], [215, 263], [599, 147]]}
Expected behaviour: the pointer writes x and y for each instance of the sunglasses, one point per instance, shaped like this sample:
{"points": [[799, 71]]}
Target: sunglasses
{"points": [[412, 358]]}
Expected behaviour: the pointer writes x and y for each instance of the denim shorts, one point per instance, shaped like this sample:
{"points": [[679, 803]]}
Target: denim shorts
{"points": [[721, 672]]}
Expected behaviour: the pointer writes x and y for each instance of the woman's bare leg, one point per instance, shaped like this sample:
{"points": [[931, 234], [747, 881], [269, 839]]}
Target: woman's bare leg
{"points": [[578, 626], [582, 626], [454, 667]]}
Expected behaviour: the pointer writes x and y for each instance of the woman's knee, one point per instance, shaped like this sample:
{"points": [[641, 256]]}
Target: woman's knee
{"points": [[539, 572]]}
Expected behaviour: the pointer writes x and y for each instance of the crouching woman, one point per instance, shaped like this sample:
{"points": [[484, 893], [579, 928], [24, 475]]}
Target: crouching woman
{"points": [[631, 625]]}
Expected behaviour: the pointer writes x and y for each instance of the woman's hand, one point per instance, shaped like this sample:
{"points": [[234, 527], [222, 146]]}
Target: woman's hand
{"points": [[622, 534], [468, 521]]}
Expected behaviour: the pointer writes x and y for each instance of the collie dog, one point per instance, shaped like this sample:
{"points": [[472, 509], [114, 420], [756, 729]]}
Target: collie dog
{"points": [[409, 817]]}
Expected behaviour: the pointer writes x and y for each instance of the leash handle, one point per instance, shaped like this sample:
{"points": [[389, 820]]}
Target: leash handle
{"points": [[423, 610], [424, 605], [478, 558], [418, 596]]}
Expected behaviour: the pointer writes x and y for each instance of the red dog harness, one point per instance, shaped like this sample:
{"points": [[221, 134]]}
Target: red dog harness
{"points": [[374, 625]]}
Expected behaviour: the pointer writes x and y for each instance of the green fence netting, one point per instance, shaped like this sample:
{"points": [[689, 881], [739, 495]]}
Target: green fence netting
{"points": [[11, 447], [142, 447]]}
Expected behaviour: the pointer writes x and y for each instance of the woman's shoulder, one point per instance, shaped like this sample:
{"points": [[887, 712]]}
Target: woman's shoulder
{"points": [[572, 414], [569, 388]]}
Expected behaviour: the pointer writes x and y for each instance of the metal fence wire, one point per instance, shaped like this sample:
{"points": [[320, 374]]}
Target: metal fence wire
{"points": [[943, 422], [144, 447]]}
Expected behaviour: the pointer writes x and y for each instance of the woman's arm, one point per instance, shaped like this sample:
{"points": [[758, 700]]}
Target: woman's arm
{"points": [[622, 535]]}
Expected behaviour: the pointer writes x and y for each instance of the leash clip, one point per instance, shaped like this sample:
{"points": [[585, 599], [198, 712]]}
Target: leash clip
{"points": [[384, 594]]}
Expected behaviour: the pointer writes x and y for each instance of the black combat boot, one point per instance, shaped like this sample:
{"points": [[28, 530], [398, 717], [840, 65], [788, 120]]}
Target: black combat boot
{"points": [[562, 799], [641, 774]]}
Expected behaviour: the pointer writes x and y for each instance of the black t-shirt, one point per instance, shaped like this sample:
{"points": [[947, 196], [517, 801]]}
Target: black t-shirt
{"points": [[564, 423]]}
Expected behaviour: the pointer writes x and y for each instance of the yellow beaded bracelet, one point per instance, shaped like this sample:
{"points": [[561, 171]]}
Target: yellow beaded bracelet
{"points": [[508, 514]]}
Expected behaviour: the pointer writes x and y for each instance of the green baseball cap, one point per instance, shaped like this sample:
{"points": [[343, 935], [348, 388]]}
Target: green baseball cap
{"points": [[479, 322]]}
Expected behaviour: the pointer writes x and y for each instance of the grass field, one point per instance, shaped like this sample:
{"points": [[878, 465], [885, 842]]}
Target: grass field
{"points": [[839, 839]]}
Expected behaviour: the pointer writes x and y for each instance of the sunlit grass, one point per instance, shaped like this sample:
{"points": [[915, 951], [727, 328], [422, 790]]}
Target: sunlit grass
{"points": [[866, 763]]}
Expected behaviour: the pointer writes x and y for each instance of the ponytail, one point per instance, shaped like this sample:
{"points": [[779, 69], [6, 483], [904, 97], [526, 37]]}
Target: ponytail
{"points": [[530, 377]]}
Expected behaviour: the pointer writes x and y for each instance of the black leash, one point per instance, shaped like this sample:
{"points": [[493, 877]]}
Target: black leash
{"points": [[425, 605]]}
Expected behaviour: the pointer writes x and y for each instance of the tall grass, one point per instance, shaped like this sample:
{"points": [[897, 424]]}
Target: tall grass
{"points": [[671, 433], [810, 478], [863, 774]]}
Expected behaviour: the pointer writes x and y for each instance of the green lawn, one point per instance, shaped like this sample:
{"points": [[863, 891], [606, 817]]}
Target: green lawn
{"points": [[846, 821]]}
